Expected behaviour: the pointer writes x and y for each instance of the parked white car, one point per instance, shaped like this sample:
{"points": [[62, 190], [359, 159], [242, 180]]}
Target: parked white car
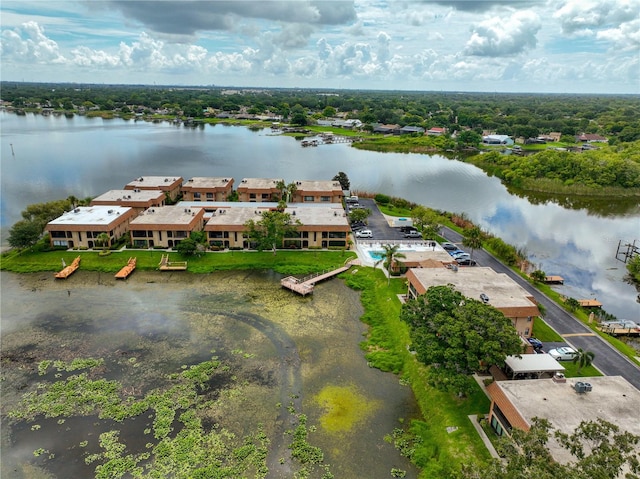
{"points": [[364, 234], [563, 354]]}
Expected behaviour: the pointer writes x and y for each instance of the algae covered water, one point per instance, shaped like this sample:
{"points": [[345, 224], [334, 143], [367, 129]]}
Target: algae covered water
{"points": [[281, 356]]}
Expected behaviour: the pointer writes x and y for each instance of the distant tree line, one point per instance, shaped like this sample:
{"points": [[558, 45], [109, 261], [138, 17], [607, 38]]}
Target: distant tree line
{"points": [[517, 115]]}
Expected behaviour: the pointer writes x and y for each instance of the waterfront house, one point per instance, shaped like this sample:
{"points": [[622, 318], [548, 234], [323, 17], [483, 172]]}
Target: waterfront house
{"points": [[500, 290], [565, 403], [137, 199], [170, 185], [258, 190], [207, 189], [308, 191], [83, 226], [409, 130], [166, 226], [436, 131], [321, 226], [591, 138]]}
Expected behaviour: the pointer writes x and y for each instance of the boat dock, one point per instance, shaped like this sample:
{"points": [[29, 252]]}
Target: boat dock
{"points": [[305, 286], [554, 280], [619, 330], [590, 303], [166, 265], [68, 270], [127, 269]]}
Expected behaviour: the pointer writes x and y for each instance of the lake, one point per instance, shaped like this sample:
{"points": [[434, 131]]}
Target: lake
{"points": [[49, 157]]}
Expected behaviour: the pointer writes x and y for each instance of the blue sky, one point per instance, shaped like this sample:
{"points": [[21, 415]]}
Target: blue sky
{"points": [[560, 46]]}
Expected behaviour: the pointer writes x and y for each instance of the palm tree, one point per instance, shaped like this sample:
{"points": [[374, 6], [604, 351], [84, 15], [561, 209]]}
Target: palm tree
{"points": [[473, 239], [390, 256], [102, 239], [583, 359]]}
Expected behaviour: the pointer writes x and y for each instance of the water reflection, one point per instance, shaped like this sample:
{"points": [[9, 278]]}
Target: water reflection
{"points": [[57, 157], [277, 344]]}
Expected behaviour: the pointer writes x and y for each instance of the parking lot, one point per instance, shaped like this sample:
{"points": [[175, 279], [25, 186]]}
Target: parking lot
{"points": [[378, 224]]}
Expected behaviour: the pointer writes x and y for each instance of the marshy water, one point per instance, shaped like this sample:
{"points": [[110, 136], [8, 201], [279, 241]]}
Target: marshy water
{"points": [[281, 350]]}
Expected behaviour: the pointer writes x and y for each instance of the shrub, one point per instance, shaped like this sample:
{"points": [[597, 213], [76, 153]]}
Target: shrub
{"points": [[382, 199]]}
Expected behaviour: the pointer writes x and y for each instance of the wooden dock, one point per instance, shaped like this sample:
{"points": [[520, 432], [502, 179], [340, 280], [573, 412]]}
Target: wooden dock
{"points": [[127, 269], [305, 286], [554, 280], [590, 303], [166, 265], [620, 331], [68, 270]]}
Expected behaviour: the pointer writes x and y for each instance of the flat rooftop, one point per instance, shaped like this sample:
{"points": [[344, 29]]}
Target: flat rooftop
{"points": [[154, 181], [166, 215], [259, 183], [130, 195], [502, 291], [232, 215], [533, 363], [208, 182], [90, 215], [319, 186], [612, 398], [437, 254]]}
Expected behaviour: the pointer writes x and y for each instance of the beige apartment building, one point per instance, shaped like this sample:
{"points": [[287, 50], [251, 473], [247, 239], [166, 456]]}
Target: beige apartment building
{"points": [[259, 190], [170, 185], [83, 226], [502, 292], [137, 199], [207, 189], [165, 227], [322, 227], [317, 192]]}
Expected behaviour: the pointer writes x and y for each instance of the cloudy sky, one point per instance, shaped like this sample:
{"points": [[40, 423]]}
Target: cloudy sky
{"points": [[563, 46]]}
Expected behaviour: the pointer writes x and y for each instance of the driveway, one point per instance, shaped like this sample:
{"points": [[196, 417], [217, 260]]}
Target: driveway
{"points": [[576, 334]]}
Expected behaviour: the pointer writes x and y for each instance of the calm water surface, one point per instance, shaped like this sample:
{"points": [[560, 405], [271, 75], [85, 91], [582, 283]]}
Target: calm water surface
{"points": [[54, 157], [277, 344]]}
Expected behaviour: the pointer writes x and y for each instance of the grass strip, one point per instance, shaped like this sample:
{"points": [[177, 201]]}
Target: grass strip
{"points": [[446, 436]]}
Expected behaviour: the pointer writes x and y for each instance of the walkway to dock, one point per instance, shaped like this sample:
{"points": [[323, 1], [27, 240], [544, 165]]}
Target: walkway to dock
{"points": [[166, 265], [68, 270], [305, 285], [127, 269]]}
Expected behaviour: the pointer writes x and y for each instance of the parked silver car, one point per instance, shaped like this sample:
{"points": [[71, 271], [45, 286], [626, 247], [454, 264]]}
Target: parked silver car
{"points": [[565, 353]]}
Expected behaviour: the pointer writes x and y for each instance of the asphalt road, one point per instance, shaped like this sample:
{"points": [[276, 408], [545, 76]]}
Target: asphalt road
{"points": [[607, 359]]}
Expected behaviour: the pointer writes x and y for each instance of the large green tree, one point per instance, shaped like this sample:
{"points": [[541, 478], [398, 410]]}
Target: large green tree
{"points": [[598, 448], [457, 335], [269, 232], [343, 179], [24, 234]]}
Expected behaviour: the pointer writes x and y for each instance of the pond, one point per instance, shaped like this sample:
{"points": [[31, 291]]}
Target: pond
{"points": [[281, 349]]}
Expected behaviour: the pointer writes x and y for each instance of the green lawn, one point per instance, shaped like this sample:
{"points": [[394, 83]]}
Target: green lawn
{"points": [[285, 262], [438, 452]]}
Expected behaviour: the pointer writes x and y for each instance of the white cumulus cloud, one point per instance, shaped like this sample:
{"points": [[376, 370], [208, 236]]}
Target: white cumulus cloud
{"points": [[506, 36]]}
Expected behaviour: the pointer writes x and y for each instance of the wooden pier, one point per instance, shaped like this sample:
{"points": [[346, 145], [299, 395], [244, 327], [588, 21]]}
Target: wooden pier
{"points": [[68, 270], [554, 280], [619, 331], [305, 286], [127, 269], [166, 265], [590, 303]]}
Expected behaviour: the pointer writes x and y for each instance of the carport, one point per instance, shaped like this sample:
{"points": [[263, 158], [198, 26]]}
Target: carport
{"points": [[532, 366]]}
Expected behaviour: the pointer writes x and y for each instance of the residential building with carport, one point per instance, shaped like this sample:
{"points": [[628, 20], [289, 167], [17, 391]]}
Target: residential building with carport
{"points": [[165, 227], [565, 403], [83, 226], [502, 292]]}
